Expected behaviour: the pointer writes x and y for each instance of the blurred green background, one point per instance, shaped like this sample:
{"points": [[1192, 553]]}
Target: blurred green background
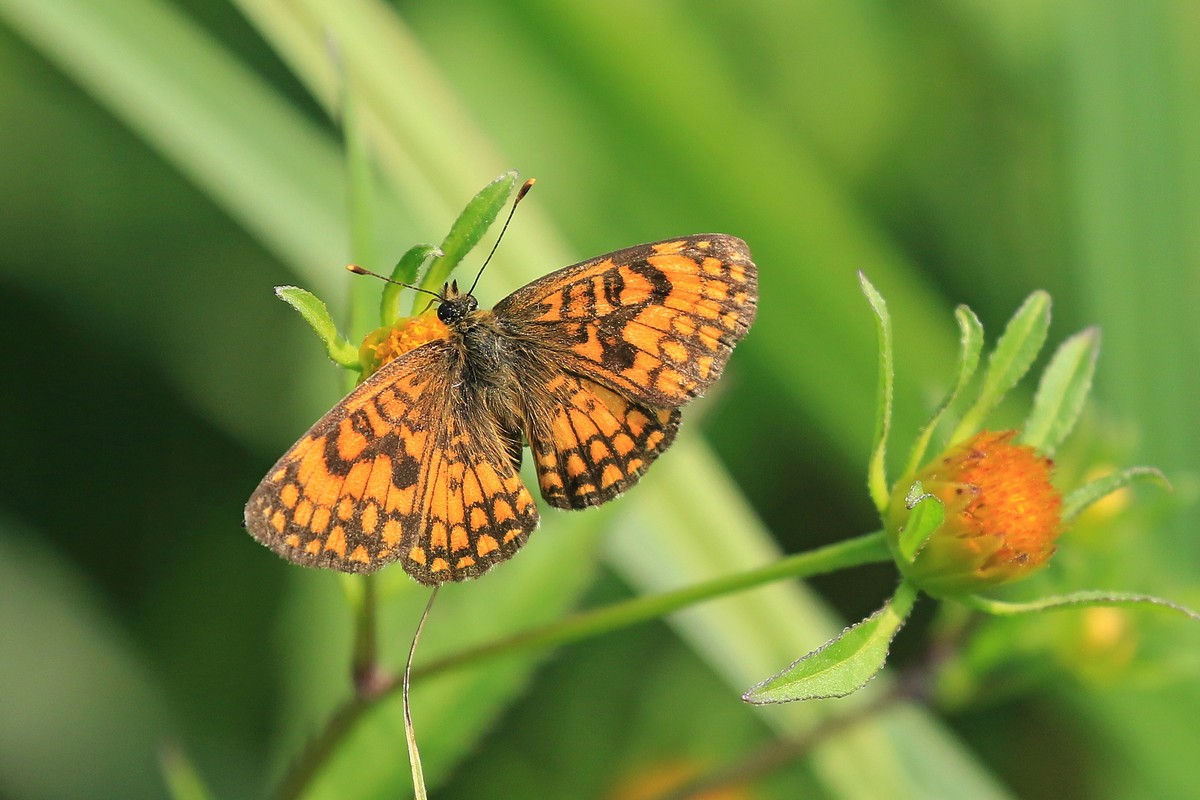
{"points": [[164, 164]]}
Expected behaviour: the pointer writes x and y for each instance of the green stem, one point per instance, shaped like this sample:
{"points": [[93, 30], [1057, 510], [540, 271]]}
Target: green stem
{"points": [[865, 549], [365, 666], [1081, 599]]}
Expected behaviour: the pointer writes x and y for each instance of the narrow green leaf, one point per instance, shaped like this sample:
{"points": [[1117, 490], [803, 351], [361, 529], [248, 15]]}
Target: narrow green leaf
{"points": [[1092, 491], [409, 265], [469, 228], [1081, 599], [410, 735], [877, 482], [182, 779], [1015, 352], [843, 665], [362, 201], [926, 515], [1062, 391], [405, 271], [970, 346], [316, 314]]}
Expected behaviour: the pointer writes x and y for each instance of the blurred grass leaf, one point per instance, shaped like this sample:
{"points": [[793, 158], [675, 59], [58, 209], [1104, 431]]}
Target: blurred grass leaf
{"points": [[180, 90], [68, 688], [183, 781]]}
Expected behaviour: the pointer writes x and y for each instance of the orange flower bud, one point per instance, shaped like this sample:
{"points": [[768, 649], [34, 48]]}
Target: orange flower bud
{"points": [[1002, 515]]}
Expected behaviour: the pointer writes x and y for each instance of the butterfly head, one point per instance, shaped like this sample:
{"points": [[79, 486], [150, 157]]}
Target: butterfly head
{"points": [[455, 305]]}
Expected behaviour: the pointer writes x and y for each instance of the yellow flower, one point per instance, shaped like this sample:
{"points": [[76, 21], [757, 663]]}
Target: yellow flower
{"points": [[667, 779], [390, 342], [1001, 516]]}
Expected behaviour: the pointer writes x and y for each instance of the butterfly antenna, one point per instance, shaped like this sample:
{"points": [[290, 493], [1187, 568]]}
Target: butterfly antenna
{"points": [[524, 190], [357, 270]]}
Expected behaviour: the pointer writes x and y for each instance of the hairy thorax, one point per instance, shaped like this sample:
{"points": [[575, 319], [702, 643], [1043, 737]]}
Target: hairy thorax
{"points": [[492, 366]]}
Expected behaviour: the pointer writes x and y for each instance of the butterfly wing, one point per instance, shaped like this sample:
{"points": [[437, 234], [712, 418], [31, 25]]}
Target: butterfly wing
{"points": [[398, 470], [628, 338], [413, 466], [590, 443], [655, 323]]}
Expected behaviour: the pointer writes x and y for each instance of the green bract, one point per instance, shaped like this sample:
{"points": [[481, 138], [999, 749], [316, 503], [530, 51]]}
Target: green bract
{"points": [[316, 314], [464, 234], [468, 229]]}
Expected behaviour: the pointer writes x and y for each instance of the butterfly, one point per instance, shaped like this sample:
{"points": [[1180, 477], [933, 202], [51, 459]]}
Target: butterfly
{"points": [[587, 366]]}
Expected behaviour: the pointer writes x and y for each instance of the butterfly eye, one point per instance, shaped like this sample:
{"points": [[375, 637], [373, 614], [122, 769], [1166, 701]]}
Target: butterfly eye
{"points": [[454, 309]]}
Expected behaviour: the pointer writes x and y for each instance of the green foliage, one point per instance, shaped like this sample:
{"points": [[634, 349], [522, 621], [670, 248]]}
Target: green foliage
{"points": [[1012, 357], [1095, 490], [405, 271], [925, 517], [877, 480], [316, 314], [468, 229], [1088, 598], [845, 664], [183, 782], [970, 347], [1062, 391]]}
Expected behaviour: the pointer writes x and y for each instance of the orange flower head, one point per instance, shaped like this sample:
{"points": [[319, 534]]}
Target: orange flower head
{"points": [[1001, 516], [392, 341]]}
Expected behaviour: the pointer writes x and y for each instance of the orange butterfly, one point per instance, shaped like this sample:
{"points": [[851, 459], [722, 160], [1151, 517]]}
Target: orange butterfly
{"points": [[588, 366]]}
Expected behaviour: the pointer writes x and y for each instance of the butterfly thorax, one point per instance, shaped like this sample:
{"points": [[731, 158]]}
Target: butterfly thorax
{"points": [[486, 360]]}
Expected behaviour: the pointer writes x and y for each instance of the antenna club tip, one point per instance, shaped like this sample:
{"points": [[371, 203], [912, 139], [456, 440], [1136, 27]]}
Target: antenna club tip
{"points": [[357, 270], [524, 190]]}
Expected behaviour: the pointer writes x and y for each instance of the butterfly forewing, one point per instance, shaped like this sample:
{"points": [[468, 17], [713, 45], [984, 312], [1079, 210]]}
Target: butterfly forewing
{"points": [[655, 322]]}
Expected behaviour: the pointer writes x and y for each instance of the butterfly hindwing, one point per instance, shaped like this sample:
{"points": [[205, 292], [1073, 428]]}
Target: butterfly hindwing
{"points": [[590, 443], [476, 511]]}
